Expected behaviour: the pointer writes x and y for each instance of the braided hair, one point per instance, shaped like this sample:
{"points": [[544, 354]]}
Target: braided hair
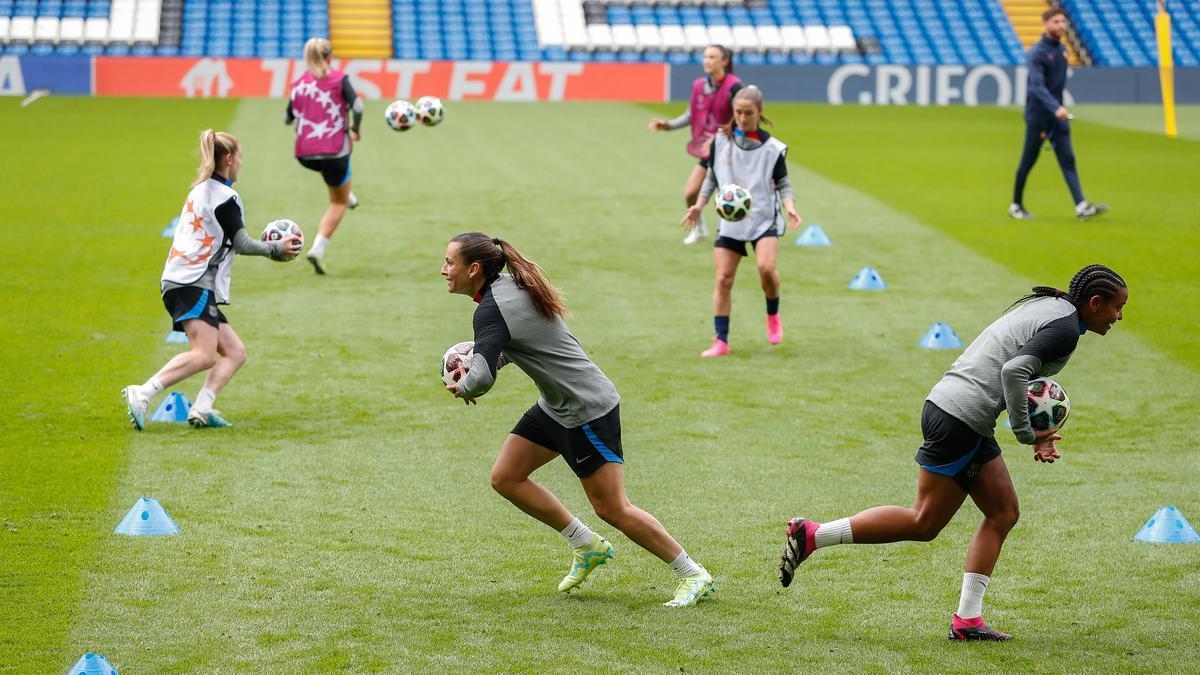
{"points": [[1090, 281]]}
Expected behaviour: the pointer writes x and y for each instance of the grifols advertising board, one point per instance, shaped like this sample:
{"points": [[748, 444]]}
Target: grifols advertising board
{"points": [[386, 79]]}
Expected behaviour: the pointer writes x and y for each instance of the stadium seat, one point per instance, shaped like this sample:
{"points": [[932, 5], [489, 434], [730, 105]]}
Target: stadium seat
{"points": [[21, 29], [95, 30], [721, 34], [5, 23], [624, 36], [841, 38], [793, 37], [648, 36], [745, 38], [696, 36], [817, 38], [673, 37], [70, 29]]}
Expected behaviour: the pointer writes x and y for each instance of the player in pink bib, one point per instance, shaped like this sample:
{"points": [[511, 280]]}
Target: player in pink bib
{"points": [[320, 103], [711, 107]]}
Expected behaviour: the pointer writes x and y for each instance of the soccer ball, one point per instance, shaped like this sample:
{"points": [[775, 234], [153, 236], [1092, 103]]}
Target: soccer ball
{"points": [[1048, 404], [455, 358], [430, 111], [277, 230], [400, 115], [733, 202]]}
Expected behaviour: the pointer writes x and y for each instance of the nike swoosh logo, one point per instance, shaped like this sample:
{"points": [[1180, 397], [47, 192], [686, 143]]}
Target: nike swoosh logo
{"points": [[581, 461]]}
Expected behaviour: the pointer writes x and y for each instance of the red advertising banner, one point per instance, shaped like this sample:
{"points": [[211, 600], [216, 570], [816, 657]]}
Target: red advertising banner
{"points": [[386, 79]]}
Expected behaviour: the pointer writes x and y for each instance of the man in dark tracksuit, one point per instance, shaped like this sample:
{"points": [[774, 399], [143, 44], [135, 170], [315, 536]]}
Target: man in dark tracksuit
{"points": [[1047, 118]]}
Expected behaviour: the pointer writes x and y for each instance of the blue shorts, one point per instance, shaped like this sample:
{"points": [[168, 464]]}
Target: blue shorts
{"points": [[952, 448]]}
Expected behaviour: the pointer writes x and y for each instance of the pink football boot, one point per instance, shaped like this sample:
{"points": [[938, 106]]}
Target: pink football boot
{"points": [[774, 329], [719, 348]]}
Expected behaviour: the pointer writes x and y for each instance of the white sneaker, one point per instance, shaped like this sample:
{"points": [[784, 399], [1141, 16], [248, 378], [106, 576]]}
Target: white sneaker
{"points": [[317, 258], [353, 201], [1017, 211], [136, 404], [698, 233], [1086, 209]]}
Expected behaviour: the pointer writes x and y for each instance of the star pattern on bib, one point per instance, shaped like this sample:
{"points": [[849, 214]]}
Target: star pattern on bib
{"points": [[202, 240]]}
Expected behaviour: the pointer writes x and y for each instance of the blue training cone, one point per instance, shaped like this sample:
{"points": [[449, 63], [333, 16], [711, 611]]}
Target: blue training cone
{"points": [[940, 336], [92, 664], [174, 408], [1167, 526], [178, 337], [867, 279], [146, 517], [813, 235], [169, 230]]}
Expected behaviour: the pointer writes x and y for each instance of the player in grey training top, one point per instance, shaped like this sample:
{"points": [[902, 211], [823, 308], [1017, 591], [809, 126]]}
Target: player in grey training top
{"points": [[960, 455], [519, 320]]}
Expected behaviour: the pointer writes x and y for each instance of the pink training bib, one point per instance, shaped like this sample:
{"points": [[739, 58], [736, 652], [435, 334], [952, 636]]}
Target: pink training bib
{"points": [[320, 112], [709, 111]]}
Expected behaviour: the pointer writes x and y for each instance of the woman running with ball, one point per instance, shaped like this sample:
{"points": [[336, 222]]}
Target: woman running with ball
{"points": [[711, 107], [960, 456], [196, 281], [755, 160], [519, 320], [319, 104]]}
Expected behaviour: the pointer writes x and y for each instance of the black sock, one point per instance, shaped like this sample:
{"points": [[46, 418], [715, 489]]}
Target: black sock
{"points": [[721, 323], [772, 306]]}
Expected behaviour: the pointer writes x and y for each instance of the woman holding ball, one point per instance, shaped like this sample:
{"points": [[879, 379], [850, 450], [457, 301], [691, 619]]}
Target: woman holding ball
{"points": [[960, 456], [520, 318], [196, 281], [754, 159], [709, 109], [319, 104]]}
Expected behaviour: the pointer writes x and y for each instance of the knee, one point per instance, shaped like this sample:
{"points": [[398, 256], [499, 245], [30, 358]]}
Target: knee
{"points": [[237, 356], [205, 360], [613, 514], [927, 530], [1006, 519], [502, 482], [766, 271], [724, 282]]}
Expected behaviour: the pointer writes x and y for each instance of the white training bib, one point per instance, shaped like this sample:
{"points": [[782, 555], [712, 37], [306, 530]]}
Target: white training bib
{"points": [[200, 253], [753, 170]]}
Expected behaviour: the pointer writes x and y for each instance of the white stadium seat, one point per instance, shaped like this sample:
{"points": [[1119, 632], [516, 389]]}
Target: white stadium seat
{"points": [[70, 29], [697, 36], [21, 29], [769, 37], [841, 38], [574, 36], [648, 36], [745, 38], [793, 37], [672, 37], [95, 30], [45, 29], [5, 23], [817, 37], [721, 35], [548, 21], [600, 35], [624, 37], [120, 29], [574, 24]]}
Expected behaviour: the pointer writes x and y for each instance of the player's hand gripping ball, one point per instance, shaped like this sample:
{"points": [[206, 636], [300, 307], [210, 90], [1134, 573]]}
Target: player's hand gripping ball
{"points": [[454, 361], [278, 230]]}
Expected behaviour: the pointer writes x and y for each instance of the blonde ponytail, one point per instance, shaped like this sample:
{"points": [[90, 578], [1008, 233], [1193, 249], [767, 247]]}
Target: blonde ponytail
{"points": [[214, 147], [316, 56]]}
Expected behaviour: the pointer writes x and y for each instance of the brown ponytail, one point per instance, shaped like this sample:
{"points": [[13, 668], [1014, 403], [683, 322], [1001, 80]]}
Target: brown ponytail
{"points": [[494, 254]]}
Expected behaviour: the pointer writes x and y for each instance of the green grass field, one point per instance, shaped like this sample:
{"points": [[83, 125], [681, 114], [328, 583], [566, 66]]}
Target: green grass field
{"points": [[346, 522]]}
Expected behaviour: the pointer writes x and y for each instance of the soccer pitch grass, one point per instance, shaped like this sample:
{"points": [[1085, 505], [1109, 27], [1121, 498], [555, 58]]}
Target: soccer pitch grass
{"points": [[346, 522]]}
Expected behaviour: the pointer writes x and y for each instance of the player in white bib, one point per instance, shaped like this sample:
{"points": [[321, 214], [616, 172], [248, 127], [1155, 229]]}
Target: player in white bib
{"points": [[752, 158], [196, 279]]}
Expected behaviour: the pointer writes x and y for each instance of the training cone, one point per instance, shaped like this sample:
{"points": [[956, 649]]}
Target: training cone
{"points": [[940, 336], [174, 408], [91, 663], [813, 235], [177, 336], [146, 517], [1167, 526], [169, 230], [867, 279]]}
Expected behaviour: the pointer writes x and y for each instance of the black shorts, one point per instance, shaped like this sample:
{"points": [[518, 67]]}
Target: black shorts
{"points": [[335, 171], [952, 448], [188, 302], [738, 246], [585, 448]]}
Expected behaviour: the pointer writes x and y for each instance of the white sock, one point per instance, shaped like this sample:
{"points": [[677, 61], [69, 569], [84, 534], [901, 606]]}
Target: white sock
{"points": [[151, 389], [834, 532], [204, 400], [970, 603], [684, 566], [319, 244], [577, 534]]}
